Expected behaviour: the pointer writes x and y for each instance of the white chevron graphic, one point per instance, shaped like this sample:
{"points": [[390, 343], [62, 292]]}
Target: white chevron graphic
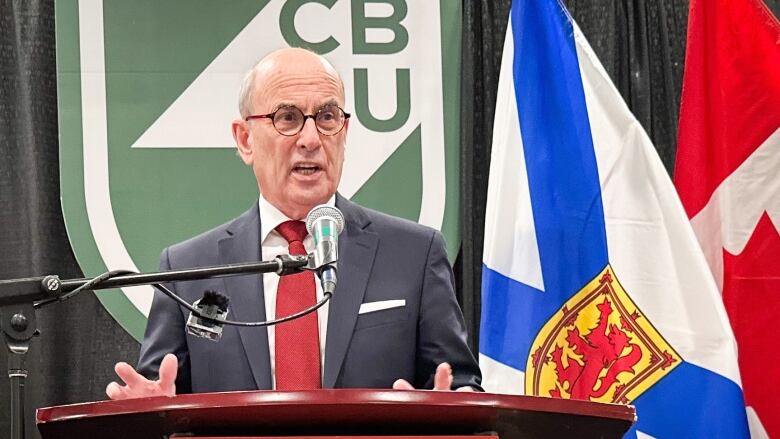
{"points": [[200, 117]]}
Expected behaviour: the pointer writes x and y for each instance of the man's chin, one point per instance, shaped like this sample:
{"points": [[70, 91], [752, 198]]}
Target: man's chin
{"points": [[299, 204]]}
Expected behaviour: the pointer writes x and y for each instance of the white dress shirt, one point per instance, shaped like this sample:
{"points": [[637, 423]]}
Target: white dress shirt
{"points": [[272, 245]]}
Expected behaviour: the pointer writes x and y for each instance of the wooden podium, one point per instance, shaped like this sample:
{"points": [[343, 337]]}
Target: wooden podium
{"points": [[347, 412]]}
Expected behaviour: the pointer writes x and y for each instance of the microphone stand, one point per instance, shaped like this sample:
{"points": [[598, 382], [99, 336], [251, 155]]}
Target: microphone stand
{"points": [[18, 299]]}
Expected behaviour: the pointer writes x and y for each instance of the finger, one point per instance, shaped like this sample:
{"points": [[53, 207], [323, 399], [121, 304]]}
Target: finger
{"points": [[168, 370], [443, 378], [115, 391], [129, 375], [400, 384]]}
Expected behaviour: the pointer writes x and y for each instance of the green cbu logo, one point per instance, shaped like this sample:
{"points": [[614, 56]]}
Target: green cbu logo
{"points": [[147, 91]]}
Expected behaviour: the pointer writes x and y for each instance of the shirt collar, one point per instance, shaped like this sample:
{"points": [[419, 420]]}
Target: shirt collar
{"points": [[271, 217]]}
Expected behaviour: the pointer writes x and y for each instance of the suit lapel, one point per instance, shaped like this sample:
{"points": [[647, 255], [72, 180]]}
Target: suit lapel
{"points": [[246, 292], [357, 248]]}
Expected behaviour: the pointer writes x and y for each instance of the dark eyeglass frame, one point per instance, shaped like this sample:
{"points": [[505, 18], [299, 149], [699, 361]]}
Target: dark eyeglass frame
{"points": [[305, 118]]}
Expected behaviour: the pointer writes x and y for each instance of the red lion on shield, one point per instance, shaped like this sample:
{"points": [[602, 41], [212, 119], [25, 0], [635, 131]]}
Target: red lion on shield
{"points": [[598, 351]]}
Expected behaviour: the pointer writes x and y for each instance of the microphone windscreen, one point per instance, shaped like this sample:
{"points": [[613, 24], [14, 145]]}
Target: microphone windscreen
{"points": [[321, 211], [215, 298]]}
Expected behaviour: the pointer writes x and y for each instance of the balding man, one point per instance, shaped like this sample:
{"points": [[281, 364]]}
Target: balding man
{"points": [[393, 320]]}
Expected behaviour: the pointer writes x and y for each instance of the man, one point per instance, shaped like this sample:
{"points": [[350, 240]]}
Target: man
{"points": [[393, 320]]}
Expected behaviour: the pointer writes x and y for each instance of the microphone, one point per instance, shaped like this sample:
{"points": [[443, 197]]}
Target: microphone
{"points": [[325, 223], [214, 306]]}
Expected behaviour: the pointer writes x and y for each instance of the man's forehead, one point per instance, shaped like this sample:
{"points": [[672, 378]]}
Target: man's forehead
{"points": [[299, 89], [310, 89], [291, 61]]}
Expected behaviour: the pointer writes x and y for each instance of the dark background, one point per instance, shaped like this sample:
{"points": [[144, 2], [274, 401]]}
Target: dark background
{"points": [[641, 44]]}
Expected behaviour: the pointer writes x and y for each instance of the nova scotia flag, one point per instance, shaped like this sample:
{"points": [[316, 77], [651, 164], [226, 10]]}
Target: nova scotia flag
{"points": [[594, 286]]}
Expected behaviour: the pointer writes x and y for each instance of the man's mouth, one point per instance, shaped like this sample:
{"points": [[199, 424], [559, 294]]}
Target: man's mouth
{"points": [[306, 169]]}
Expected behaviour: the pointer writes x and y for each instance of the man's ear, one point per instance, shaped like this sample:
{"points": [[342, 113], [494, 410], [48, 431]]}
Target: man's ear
{"points": [[243, 140]]}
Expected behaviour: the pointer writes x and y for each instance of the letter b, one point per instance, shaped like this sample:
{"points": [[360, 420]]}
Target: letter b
{"points": [[392, 23]]}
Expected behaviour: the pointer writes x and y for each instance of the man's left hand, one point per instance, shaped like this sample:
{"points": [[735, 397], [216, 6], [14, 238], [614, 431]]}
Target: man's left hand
{"points": [[441, 381]]}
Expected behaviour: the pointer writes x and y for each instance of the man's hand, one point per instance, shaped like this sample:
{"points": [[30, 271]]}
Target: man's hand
{"points": [[441, 381], [137, 386]]}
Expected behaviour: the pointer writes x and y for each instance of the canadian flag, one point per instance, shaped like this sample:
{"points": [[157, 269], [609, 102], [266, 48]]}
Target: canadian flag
{"points": [[728, 175]]}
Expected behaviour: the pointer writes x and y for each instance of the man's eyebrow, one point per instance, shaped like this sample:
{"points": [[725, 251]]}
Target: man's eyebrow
{"points": [[331, 101], [284, 104]]}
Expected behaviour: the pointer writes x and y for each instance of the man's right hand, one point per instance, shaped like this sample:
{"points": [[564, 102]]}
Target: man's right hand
{"points": [[137, 386]]}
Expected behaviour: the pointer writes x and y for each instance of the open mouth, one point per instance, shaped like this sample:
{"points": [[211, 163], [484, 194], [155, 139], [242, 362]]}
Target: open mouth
{"points": [[306, 169]]}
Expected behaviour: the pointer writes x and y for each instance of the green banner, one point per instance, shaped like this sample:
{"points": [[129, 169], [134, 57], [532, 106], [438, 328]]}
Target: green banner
{"points": [[147, 91]]}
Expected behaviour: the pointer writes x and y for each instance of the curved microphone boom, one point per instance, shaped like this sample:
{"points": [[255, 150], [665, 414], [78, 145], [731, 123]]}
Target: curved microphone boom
{"points": [[325, 223]]}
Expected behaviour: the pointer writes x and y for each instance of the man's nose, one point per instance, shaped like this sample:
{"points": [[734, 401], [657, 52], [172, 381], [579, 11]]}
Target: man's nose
{"points": [[309, 137]]}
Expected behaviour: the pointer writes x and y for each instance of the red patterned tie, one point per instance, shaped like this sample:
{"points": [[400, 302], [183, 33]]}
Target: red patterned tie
{"points": [[297, 343]]}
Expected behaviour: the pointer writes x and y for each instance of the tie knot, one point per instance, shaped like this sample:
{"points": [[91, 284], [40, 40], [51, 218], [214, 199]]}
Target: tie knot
{"points": [[292, 231]]}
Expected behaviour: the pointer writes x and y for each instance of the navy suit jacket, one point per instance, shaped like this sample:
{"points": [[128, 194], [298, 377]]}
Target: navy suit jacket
{"points": [[381, 258]]}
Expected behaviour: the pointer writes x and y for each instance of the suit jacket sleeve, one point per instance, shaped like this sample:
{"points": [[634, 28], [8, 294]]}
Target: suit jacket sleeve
{"points": [[165, 333], [442, 331]]}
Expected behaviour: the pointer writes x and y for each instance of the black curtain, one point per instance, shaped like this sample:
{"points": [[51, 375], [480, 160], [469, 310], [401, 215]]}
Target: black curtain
{"points": [[72, 360], [641, 44]]}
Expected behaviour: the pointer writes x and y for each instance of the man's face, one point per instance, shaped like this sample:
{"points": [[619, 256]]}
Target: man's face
{"points": [[294, 173]]}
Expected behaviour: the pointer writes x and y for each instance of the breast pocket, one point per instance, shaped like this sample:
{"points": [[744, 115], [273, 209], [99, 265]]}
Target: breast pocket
{"points": [[381, 317]]}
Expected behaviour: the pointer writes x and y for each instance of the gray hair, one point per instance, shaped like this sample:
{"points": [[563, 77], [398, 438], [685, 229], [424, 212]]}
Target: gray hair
{"points": [[245, 94]]}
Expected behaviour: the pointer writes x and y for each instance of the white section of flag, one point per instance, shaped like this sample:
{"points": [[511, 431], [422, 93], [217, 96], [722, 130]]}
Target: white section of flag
{"points": [[732, 213], [757, 430], [500, 378], [508, 211], [651, 245]]}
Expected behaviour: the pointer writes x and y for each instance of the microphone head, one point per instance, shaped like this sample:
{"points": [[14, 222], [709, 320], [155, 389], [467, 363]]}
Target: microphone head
{"points": [[324, 211]]}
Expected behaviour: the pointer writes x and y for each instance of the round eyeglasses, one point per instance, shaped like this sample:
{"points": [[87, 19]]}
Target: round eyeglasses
{"points": [[289, 120]]}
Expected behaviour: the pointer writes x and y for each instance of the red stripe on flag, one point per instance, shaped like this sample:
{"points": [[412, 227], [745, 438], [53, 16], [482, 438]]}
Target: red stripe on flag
{"points": [[751, 292], [731, 93], [730, 106]]}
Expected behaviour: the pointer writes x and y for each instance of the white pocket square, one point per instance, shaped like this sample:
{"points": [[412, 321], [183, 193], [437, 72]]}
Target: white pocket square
{"points": [[382, 304]]}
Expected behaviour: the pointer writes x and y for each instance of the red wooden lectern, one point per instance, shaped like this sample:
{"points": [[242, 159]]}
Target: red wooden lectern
{"points": [[345, 412]]}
